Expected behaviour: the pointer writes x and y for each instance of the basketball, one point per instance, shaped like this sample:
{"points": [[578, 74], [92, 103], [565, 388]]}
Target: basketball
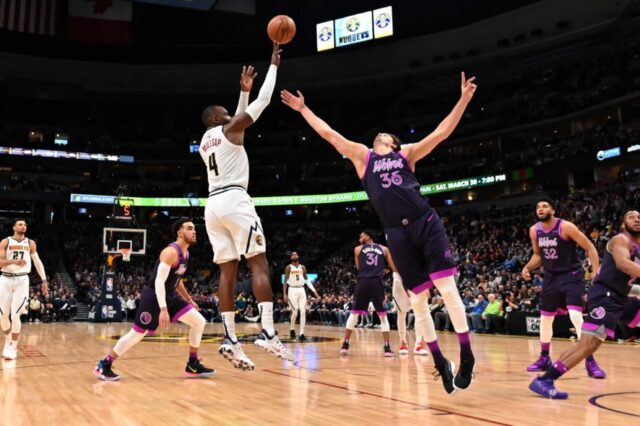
{"points": [[281, 29]]}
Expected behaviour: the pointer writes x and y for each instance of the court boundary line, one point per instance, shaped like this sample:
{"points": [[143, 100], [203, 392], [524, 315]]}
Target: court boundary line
{"points": [[594, 401]]}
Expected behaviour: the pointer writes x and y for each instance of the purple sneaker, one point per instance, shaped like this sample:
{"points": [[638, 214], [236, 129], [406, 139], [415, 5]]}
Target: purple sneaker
{"points": [[545, 388], [541, 364], [594, 370]]}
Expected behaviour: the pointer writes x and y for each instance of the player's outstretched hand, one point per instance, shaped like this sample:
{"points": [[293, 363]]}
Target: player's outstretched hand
{"points": [[164, 318], [246, 78], [294, 102], [467, 87], [44, 288], [526, 274], [275, 56]]}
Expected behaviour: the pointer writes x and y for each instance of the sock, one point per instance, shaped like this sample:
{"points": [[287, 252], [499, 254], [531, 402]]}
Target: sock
{"points": [[193, 357], [590, 358], [434, 348], [229, 324], [346, 340], [545, 348], [465, 345], [555, 371], [108, 359], [266, 313], [386, 343]]}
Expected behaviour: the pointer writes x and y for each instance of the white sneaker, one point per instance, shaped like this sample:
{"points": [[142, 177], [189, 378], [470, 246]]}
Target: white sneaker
{"points": [[10, 352], [421, 349], [233, 353], [273, 345]]}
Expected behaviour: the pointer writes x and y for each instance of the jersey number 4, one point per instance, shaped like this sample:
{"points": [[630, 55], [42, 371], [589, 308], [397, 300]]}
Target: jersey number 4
{"points": [[18, 254], [212, 164]]}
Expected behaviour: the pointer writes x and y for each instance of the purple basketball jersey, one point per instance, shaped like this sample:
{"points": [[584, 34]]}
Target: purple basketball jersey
{"points": [[371, 261], [393, 189], [558, 255], [175, 274], [611, 277]]}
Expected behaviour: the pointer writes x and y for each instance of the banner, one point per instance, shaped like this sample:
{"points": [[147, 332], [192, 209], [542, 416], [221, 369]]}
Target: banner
{"points": [[100, 21], [533, 325], [30, 16]]}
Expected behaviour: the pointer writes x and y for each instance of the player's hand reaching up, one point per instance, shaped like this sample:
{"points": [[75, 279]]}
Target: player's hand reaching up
{"points": [[164, 318], [246, 78], [275, 56], [294, 102], [468, 87]]}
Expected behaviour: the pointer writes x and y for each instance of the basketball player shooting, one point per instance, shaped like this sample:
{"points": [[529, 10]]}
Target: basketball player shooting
{"points": [[415, 234], [17, 253], [159, 304], [555, 244], [232, 223], [295, 278], [609, 304]]}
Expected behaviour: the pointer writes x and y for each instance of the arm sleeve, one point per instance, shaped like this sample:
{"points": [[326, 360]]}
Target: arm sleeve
{"points": [[39, 266], [264, 96], [242, 102], [161, 278]]}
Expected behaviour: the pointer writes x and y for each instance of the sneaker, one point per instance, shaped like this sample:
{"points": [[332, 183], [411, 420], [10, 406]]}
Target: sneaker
{"points": [[10, 352], [303, 338], [388, 353], [541, 364], [547, 389], [104, 372], [345, 348], [273, 345], [195, 369], [421, 349], [404, 349], [292, 335], [445, 372], [233, 353], [594, 370], [464, 377]]}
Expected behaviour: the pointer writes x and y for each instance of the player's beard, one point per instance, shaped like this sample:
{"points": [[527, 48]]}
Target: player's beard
{"points": [[545, 218], [634, 234]]}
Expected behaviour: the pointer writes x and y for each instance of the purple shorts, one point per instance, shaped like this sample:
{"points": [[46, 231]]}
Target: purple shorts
{"points": [[148, 313], [562, 293], [421, 251], [368, 290], [606, 309]]}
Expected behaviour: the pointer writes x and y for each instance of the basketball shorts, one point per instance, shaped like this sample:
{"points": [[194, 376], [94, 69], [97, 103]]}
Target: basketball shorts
{"points": [[606, 309], [368, 290], [421, 251], [562, 293], [148, 314], [297, 298], [14, 294], [233, 226]]}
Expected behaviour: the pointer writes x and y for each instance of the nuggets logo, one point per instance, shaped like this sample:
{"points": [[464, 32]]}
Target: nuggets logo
{"points": [[383, 20], [598, 313], [325, 34], [259, 240], [145, 318], [353, 24]]}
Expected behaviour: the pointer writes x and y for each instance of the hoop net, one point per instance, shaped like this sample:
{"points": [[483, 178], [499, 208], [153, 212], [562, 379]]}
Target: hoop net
{"points": [[126, 254]]}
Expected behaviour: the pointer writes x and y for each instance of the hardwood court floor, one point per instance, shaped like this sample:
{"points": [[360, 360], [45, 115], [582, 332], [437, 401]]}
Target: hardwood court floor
{"points": [[52, 383]]}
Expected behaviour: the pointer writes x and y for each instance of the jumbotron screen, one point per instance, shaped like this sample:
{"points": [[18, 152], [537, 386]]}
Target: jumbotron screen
{"points": [[365, 26]]}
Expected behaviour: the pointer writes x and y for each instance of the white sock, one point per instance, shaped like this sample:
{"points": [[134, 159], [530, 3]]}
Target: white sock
{"points": [[576, 320], [229, 324], [266, 312]]}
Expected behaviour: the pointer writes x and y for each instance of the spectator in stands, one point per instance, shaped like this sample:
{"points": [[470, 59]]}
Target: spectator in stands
{"points": [[477, 323], [493, 315]]}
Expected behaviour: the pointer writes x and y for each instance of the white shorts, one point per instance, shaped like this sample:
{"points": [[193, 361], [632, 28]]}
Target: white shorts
{"points": [[233, 226], [14, 293], [400, 296], [297, 298]]}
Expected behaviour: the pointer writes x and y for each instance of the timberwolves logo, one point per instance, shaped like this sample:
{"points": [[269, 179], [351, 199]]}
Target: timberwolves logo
{"points": [[353, 24], [598, 313], [383, 20], [259, 240], [325, 34], [145, 318]]}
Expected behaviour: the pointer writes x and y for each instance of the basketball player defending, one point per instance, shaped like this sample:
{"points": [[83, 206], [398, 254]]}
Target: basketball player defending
{"points": [[371, 259], [555, 244], [159, 304], [16, 254], [608, 304], [415, 233], [233, 225], [295, 278]]}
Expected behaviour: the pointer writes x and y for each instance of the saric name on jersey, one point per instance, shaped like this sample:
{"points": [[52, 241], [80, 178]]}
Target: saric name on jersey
{"points": [[547, 242], [210, 143]]}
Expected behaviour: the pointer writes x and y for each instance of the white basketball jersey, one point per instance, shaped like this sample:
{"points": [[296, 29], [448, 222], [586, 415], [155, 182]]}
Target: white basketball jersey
{"points": [[227, 164], [296, 276], [17, 250]]}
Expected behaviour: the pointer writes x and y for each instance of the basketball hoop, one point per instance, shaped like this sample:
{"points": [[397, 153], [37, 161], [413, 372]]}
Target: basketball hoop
{"points": [[126, 254]]}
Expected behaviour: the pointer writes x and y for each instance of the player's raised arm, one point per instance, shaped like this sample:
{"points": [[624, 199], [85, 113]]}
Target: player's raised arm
{"points": [[417, 151], [536, 260], [620, 248], [236, 127], [168, 257], [247, 76], [356, 152], [572, 231]]}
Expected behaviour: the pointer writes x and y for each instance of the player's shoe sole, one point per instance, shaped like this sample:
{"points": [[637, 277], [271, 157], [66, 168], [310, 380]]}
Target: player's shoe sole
{"points": [[227, 353]]}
